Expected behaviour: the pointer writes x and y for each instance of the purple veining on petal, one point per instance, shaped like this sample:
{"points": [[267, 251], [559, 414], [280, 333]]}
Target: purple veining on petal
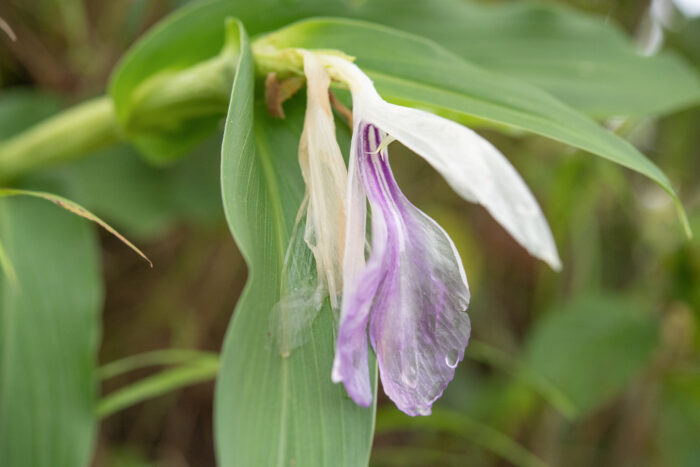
{"points": [[413, 289], [351, 365]]}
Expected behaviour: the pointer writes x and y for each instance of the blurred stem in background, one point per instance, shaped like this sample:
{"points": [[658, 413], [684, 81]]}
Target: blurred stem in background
{"points": [[163, 100], [194, 367], [80, 130]]}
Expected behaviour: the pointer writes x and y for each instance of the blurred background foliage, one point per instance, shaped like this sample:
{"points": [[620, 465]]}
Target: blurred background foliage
{"points": [[597, 365]]}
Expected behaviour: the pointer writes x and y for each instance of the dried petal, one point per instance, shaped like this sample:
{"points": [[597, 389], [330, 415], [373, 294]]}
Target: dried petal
{"points": [[325, 175]]}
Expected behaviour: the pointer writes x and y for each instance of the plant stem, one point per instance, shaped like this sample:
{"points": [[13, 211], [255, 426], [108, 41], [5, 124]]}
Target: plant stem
{"points": [[156, 357], [166, 102], [80, 130], [196, 371]]}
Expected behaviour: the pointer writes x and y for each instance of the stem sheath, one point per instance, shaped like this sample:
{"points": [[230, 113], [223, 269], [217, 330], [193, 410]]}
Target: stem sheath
{"points": [[80, 130]]}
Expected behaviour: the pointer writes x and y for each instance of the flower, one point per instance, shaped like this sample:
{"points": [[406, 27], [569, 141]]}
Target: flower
{"points": [[410, 296]]}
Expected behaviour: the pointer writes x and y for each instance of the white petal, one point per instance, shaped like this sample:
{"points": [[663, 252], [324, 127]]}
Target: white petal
{"points": [[472, 166], [326, 180]]}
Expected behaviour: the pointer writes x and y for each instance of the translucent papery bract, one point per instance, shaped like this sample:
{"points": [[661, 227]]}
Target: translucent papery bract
{"points": [[301, 297], [308, 276], [325, 175], [413, 289]]}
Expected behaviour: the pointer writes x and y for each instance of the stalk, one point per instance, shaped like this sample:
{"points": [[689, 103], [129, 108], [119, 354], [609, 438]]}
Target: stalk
{"points": [[80, 130], [162, 103]]}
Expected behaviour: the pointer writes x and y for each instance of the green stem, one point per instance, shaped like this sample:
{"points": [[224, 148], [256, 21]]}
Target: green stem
{"points": [[196, 371], [166, 102], [80, 130], [156, 357]]}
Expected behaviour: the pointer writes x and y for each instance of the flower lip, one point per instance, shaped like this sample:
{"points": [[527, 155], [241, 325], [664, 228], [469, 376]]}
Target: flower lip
{"points": [[412, 295]]}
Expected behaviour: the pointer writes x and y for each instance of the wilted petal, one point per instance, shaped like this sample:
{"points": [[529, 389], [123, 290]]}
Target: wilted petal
{"points": [[351, 365], [413, 288], [473, 167], [325, 175]]}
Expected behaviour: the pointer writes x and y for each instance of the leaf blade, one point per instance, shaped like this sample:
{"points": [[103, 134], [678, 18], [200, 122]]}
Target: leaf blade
{"points": [[195, 371], [609, 337], [49, 335], [292, 411]]}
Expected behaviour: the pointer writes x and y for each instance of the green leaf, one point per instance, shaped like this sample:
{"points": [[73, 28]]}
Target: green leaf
{"points": [[189, 36], [76, 209], [273, 410], [194, 34], [186, 48], [462, 426], [21, 108], [197, 370], [142, 200], [592, 348], [686, 39], [172, 88], [679, 421], [156, 357], [482, 352], [411, 71], [7, 268], [586, 61], [49, 336]]}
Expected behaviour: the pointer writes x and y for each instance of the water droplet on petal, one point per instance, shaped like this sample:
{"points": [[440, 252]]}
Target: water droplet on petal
{"points": [[452, 358]]}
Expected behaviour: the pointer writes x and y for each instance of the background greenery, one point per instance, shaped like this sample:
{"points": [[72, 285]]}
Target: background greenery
{"points": [[597, 365]]}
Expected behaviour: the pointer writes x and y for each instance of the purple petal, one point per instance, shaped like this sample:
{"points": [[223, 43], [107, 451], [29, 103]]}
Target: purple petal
{"points": [[351, 365], [413, 288]]}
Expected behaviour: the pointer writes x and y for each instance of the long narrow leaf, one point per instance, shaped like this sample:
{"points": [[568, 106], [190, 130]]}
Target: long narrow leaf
{"points": [[202, 369], [272, 410], [410, 70], [49, 336], [75, 209], [156, 357]]}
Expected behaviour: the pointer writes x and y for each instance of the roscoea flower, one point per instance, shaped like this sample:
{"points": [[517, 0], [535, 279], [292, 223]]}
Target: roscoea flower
{"points": [[410, 295]]}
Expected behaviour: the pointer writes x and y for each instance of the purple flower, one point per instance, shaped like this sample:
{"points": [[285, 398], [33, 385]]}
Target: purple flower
{"points": [[410, 296]]}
